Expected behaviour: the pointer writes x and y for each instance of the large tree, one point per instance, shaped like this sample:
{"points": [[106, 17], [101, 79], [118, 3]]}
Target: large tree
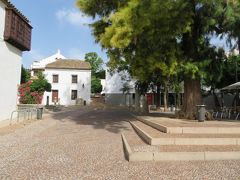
{"points": [[154, 39], [25, 75], [230, 22], [95, 61], [97, 71]]}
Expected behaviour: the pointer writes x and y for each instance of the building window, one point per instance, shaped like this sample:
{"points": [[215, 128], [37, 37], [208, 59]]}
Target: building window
{"points": [[74, 94], [55, 96], [74, 78], [55, 78], [35, 72]]}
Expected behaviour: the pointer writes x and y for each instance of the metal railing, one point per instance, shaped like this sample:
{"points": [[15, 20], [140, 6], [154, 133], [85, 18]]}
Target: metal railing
{"points": [[226, 113], [27, 113]]}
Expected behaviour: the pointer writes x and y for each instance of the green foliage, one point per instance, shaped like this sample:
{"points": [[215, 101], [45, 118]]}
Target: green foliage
{"points": [[32, 91], [97, 71], [28, 95], [230, 21], [215, 69], [101, 74], [96, 86], [99, 8], [126, 88], [25, 75], [162, 41], [230, 71], [40, 84], [95, 61], [133, 36]]}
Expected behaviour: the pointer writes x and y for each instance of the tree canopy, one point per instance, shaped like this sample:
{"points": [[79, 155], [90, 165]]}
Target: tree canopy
{"points": [[95, 61], [40, 84], [159, 40], [25, 75], [97, 71]]}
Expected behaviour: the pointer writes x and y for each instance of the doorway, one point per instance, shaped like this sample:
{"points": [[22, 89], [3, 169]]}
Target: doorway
{"points": [[55, 96]]}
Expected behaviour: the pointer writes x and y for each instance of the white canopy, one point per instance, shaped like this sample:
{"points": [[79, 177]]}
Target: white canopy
{"points": [[232, 86]]}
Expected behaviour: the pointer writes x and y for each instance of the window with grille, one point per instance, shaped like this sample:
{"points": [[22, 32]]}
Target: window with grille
{"points": [[55, 78], [74, 78]]}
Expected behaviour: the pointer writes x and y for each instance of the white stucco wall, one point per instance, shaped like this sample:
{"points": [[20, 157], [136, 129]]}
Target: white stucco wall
{"points": [[65, 85], [114, 82], [10, 72], [103, 83]]}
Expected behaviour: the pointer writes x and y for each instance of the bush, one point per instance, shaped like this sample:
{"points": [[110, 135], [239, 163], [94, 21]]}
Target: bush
{"points": [[32, 91], [40, 84], [26, 96]]}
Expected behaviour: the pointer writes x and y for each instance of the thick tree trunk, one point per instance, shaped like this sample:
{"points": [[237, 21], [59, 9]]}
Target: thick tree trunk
{"points": [[238, 45], [137, 101], [158, 95], [178, 100], [192, 97], [165, 97]]}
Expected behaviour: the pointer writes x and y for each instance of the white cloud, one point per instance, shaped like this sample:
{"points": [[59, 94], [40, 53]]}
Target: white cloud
{"points": [[73, 17], [75, 53]]}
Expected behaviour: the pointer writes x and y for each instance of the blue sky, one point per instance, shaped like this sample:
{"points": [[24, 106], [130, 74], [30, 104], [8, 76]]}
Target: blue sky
{"points": [[57, 24]]}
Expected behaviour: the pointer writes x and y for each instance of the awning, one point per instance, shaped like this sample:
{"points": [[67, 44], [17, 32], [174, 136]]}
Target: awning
{"points": [[232, 86]]}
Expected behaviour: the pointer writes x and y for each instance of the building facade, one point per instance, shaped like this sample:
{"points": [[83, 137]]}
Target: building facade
{"points": [[70, 80], [14, 40], [119, 88], [39, 66]]}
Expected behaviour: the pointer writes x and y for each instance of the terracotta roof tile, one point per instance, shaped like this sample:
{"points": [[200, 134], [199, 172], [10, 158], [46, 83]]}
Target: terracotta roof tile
{"points": [[69, 64]]}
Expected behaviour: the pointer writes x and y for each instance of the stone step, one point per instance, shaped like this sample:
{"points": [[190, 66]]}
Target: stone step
{"points": [[136, 150], [176, 126], [153, 136]]}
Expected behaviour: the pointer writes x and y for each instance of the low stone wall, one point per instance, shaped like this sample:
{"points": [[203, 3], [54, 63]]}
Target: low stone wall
{"points": [[26, 106]]}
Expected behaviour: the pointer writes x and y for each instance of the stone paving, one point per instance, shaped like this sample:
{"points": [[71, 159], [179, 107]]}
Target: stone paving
{"points": [[86, 144]]}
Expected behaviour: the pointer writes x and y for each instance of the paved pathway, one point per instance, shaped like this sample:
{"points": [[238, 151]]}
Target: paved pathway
{"points": [[86, 144]]}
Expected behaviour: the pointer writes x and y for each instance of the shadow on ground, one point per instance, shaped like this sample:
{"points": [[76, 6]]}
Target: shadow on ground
{"points": [[112, 120]]}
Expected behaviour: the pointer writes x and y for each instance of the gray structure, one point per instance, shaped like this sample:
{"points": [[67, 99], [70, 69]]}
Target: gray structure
{"points": [[119, 88], [120, 99]]}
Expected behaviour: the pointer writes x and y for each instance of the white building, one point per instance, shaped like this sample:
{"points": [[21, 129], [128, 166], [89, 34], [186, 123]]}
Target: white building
{"points": [[40, 65], [13, 41], [70, 80], [103, 83], [119, 88]]}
